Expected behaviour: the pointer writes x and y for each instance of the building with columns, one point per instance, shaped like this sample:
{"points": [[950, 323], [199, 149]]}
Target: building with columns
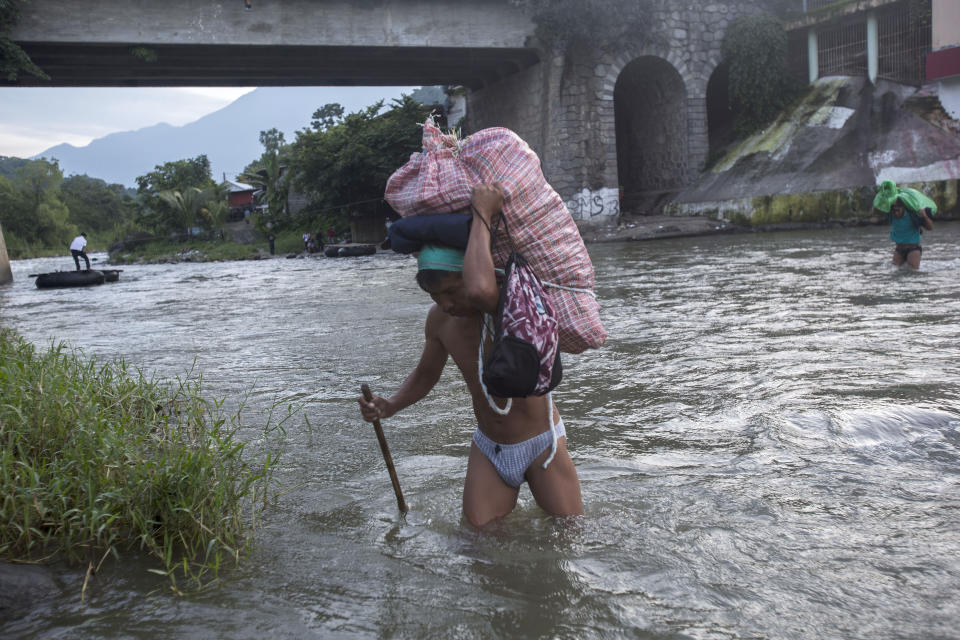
{"points": [[878, 39], [943, 61]]}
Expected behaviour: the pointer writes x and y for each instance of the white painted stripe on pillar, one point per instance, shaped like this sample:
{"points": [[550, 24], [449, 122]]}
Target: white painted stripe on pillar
{"points": [[813, 62]]}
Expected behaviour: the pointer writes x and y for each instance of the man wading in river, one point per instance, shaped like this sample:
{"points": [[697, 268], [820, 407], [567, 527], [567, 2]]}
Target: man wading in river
{"points": [[506, 450], [908, 211]]}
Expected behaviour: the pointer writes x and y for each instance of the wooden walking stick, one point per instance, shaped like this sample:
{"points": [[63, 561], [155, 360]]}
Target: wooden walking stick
{"points": [[386, 452]]}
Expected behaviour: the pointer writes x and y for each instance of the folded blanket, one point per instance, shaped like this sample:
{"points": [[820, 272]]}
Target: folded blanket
{"points": [[408, 235]]}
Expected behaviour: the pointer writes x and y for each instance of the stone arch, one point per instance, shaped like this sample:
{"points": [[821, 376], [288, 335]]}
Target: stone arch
{"points": [[609, 71], [719, 116], [650, 101]]}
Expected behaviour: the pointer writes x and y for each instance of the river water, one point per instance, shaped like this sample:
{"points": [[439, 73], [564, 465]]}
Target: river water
{"points": [[768, 444]]}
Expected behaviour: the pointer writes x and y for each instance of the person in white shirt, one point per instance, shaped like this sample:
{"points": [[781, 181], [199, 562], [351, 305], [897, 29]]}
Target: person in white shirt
{"points": [[76, 249]]}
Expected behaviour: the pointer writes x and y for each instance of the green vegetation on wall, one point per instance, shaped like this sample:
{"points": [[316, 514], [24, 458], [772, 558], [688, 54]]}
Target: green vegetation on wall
{"points": [[839, 206], [577, 26], [809, 208], [13, 60], [760, 86]]}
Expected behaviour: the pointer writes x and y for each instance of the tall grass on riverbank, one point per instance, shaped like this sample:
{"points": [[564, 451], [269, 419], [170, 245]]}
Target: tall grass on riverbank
{"points": [[96, 460]]}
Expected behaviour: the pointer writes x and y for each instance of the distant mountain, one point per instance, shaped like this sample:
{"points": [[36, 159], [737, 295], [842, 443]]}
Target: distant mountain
{"points": [[229, 137]]}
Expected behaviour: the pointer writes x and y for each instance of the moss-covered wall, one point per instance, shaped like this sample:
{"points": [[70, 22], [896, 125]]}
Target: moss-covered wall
{"points": [[813, 108], [841, 205]]}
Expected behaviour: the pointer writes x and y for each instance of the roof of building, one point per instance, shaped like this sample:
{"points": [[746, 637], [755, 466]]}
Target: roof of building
{"points": [[234, 187]]}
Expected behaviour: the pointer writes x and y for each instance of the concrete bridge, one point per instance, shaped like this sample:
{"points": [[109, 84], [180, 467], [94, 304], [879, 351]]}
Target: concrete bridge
{"points": [[625, 122], [136, 43]]}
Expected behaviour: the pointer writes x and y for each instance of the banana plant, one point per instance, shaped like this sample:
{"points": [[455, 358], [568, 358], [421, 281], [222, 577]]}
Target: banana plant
{"points": [[191, 207]]}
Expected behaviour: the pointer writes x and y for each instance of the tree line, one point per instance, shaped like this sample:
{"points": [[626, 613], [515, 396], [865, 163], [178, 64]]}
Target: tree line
{"points": [[340, 163]]}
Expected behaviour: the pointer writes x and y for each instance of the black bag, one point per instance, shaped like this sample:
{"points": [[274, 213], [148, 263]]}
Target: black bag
{"points": [[524, 359]]}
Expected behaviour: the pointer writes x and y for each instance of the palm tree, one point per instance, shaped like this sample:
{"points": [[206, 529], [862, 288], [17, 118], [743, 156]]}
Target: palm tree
{"points": [[194, 206], [214, 211]]}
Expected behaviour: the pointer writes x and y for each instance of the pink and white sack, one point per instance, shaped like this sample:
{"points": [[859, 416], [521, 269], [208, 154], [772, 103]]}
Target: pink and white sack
{"points": [[440, 179]]}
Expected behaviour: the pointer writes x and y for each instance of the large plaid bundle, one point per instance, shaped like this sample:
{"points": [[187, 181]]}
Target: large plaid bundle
{"points": [[440, 179]]}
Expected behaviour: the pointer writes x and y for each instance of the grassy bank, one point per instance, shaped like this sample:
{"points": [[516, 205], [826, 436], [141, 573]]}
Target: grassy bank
{"points": [[162, 251], [289, 242], [96, 460]]}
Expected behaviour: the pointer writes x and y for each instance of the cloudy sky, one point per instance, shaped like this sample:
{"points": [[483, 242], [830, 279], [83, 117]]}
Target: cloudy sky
{"points": [[35, 119]]}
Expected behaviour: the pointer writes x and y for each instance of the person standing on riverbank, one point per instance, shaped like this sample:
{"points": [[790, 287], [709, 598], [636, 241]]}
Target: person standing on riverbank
{"points": [[507, 450], [908, 211], [77, 250]]}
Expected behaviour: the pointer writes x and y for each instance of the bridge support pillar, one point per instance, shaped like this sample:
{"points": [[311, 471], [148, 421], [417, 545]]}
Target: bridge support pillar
{"points": [[6, 275]]}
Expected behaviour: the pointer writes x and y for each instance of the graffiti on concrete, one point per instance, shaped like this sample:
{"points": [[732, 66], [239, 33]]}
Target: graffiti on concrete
{"points": [[595, 206]]}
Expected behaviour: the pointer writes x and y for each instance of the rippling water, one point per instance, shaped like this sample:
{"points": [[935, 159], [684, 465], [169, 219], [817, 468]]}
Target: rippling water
{"points": [[768, 446]]}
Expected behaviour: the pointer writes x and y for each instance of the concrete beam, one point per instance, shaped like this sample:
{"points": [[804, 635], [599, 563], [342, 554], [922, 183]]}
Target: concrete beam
{"points": [[834, 12], [133, 43], [117, 65], [346, 23]]}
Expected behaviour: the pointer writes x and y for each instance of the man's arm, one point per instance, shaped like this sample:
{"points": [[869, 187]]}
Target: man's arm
{"points": [[479, 277], [925, 220], [880, 216], [420, 381]]}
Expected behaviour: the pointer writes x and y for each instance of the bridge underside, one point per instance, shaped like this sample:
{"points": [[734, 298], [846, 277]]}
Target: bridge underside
{"points": [[136, 65]]}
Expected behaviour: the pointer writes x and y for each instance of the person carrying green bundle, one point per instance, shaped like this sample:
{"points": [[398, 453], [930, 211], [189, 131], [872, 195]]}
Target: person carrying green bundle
{"points": [[908, 212]]}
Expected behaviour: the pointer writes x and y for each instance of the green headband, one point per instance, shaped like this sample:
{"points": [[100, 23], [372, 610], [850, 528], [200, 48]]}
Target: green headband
{"points": [[439, 258], [886, 195]]}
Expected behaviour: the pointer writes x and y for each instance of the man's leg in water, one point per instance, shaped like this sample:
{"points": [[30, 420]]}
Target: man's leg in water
{"points": [[913, 258], [556, 488], [486, 496]]}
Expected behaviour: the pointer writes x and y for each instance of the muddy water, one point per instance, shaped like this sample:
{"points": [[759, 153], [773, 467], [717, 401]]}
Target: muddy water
{"points": [[768, 447]]}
